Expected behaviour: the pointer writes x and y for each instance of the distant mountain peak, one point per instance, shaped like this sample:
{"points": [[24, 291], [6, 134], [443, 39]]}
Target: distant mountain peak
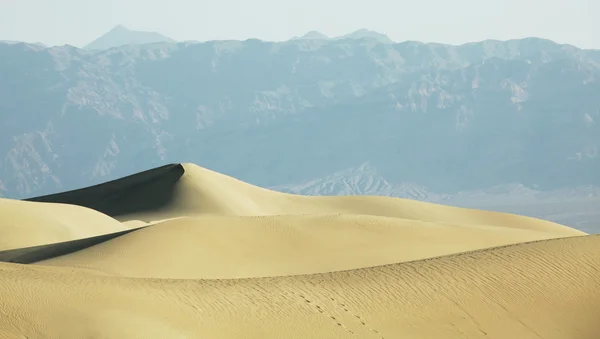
{"points": [[121, 35], [312, 35], [119, 28], [364, 33]]}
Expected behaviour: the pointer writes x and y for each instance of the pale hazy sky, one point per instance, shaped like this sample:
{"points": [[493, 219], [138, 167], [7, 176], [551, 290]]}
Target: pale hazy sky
{"points": [[77, 22]]}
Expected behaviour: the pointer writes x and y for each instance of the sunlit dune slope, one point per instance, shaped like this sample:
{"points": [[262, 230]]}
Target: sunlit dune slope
{"points": [[236, 247], [24, 224], [548, 289], [188, 190]]}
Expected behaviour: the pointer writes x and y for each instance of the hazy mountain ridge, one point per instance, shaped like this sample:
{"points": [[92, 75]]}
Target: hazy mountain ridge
{"points": [[574, 206], [366, 180], [122, 36], [450, 118], [356, 35], [361, 180]]}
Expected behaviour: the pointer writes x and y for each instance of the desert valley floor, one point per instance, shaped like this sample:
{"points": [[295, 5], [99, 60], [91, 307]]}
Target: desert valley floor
{"points": [[184, 252]]}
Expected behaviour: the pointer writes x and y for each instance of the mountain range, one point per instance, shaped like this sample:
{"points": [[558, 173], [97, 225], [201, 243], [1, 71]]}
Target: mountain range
{"points": [[309, 115], [123, 36]]}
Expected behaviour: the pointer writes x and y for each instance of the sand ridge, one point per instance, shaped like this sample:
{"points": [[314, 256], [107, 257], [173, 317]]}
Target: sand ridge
{"points": [[184, 252], [186, 248]]}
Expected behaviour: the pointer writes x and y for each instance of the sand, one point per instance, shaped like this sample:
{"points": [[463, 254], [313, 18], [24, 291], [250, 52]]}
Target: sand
{"points": [[243, 247], [184, 252], [24, 224], [548, 290]]}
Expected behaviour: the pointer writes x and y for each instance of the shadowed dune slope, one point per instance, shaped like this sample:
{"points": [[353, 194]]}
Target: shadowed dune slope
{"points": [[188, 190], [32, 254], [241, 247], [137, 193], [548, 289], [24, 224]]}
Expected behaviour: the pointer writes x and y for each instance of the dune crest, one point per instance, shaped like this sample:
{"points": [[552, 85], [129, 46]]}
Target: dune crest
{"points": [[181, 190]]}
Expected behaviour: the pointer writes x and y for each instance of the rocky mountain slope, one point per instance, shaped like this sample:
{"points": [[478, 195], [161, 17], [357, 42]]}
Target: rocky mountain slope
{"points": [[428, 117]]}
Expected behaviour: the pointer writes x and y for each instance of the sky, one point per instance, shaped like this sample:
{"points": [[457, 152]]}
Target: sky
{"points": [[78, 22]]}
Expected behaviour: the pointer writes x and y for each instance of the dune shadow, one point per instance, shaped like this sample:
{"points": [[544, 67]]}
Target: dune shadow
{"points": [[28, 255], [150, 190]]}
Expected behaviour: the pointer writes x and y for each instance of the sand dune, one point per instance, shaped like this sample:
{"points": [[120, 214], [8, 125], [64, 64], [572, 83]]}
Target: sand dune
{"points": [[548, 289], [211, 256], [24, 224], [242, 247], [188, 190]]}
